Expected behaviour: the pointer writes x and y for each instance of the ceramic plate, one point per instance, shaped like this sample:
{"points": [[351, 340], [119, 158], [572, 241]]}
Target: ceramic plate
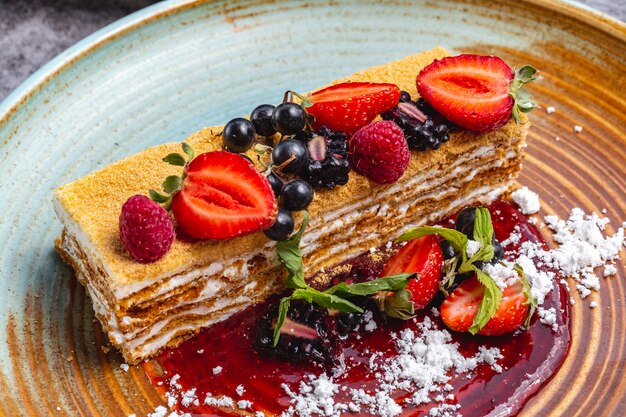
{"points": [[178, 66]]}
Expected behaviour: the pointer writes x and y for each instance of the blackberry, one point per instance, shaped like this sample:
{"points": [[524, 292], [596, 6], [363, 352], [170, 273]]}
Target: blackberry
{"points": [[304, 335], [423, 127], [327, 165]]}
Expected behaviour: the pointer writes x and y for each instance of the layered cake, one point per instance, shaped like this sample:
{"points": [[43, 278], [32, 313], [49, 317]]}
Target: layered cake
{"points": [[203, 279]]}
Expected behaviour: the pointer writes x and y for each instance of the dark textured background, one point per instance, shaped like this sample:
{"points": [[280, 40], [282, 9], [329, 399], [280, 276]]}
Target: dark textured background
{"points": [[33, 31]]}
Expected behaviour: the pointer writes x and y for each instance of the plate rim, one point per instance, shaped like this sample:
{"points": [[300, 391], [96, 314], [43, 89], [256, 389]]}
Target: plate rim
{"points": [[75, 53]]}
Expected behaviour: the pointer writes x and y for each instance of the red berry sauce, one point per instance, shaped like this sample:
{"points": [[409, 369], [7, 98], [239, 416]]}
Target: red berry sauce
{"points": [[530, 357]]}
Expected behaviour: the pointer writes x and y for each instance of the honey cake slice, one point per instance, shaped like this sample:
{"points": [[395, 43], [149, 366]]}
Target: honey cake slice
{"points": [[145, 308]]}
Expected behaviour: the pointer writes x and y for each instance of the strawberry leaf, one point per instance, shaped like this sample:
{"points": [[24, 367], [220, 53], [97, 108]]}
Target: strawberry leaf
{"points": [[189, 151], [175, 159], [159, 198], [397, 305], [489, 305], [523, 101], [172, 184]]}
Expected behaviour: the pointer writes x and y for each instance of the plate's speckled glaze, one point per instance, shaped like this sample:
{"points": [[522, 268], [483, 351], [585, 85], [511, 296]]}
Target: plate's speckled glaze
{"points": [[175, 67]]}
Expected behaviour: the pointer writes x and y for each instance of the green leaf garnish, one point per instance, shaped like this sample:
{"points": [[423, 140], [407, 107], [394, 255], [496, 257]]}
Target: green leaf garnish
{"points": [[282, 313], [457, 239], [175, 159], [390, 283], [526, 288], [290, 255], [489, 305], [523, 101], [483, 234]]}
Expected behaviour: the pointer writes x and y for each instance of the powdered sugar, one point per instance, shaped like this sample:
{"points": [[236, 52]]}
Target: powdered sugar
{"points": [[527, 200], [426, 358]]}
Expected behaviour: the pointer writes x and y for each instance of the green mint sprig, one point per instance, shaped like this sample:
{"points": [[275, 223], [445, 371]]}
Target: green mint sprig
{"points": [[335, 298], [483, 234], [172, 184]]}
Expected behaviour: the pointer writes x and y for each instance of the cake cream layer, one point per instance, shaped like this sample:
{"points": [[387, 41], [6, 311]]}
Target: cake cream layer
{"points": [[146, 307]]}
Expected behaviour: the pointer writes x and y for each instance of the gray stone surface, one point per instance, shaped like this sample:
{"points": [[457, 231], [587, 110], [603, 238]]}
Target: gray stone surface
{"points": [[33, 31]]}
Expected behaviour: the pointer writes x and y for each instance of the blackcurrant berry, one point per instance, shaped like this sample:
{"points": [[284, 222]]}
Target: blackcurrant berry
{"points": [[447, 249], [238, 135], [282, 227], [498, 250], [404, 97], [288, 118], [276, 183], [290, 149], [297, 195], [465, 221], [261, 118]]}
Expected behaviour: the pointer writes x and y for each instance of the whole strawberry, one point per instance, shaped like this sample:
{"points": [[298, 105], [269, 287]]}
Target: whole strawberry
{"points": [[146, 229], [380, 152]]}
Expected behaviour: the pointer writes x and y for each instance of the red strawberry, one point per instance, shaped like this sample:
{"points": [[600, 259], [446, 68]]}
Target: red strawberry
{"points": [[479, 93], [380, 152], [424, 256], [460, 308], [347, 107], [223, 196]]}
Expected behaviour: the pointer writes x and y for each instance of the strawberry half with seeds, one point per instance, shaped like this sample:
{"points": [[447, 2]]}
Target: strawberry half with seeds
{"points": [[222, 196], [424, 256], [347, 107], [478, 93], [461, 306]]}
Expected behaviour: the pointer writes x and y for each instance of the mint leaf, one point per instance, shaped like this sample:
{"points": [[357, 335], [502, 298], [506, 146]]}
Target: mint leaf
{"points": [[490, 303], [175, 159], [188, 150], [483, 229], [290, 255], [326, 300], [172, 184], [282, 313], [457, 239], [391, 283]]}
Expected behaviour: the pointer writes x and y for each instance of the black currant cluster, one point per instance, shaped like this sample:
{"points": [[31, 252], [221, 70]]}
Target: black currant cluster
{"points": [[304, 335], [301, 160], [310, 333], [328, 158], [423, 127]]}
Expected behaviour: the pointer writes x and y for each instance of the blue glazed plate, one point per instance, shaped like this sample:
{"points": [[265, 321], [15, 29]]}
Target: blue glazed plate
{"points": [[173, 68]]}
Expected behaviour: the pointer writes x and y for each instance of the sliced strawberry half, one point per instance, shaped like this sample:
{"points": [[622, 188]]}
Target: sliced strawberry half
{"points": [[479, 93], [424, 256], [461, 306], [223, 196], [347, 107]]}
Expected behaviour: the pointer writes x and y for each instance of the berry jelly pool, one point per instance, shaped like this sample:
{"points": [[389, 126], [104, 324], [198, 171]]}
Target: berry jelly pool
{"points": [[530, 358]]}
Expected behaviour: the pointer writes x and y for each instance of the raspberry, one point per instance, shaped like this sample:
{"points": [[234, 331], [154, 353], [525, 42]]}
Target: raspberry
{"points": [[146, 229], [380, 152]]}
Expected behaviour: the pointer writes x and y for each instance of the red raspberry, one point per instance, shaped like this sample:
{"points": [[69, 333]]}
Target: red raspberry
{"points": [[380, 152], [146, 229]]}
